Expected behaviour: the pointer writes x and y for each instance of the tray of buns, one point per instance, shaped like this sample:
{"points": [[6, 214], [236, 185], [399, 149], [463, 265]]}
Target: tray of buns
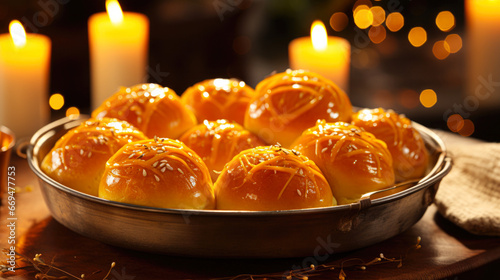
{"points": [[289, 169]]}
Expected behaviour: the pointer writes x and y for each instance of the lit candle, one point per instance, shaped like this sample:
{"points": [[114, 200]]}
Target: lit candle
{"points": [[118, 50], [24, 80], [483, 56], [326, 55]]}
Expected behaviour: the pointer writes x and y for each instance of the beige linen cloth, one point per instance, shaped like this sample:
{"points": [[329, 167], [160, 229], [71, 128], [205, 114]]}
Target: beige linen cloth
{"points": [[469, 195]]}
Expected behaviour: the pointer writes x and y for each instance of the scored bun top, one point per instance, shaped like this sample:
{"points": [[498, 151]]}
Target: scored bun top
{"points": [[353, 161], [78, 158], [271, 178], [155, 110], [287, 103], [215, 99], [405, 143], [158, 172], [217, 142]]}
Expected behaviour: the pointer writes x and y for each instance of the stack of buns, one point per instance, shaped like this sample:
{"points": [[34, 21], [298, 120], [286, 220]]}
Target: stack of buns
{"points": [[292, 143]]}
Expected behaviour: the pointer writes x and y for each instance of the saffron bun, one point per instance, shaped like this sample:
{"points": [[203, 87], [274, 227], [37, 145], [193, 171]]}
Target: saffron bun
{"points": [[269, 178], [287, 103], [78, 158], [217, 142], [353, 161], [155, 110], [409, 155], [215, 99], [158, 172]]}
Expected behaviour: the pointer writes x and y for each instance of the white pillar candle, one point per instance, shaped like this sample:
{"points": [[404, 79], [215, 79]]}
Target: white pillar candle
{"points": [[118, 51], [24, 80], [328, 56]]}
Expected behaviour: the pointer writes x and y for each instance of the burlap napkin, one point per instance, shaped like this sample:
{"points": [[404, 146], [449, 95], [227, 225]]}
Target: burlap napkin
{"points": [[469, 195]]}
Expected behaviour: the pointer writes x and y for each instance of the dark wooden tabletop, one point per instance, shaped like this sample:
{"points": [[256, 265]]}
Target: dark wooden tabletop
{"points": [[446, 251]]}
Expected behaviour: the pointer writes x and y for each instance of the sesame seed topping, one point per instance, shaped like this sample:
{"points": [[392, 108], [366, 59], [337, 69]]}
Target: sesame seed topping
{"points": [[139, 119], [169, 167], [90, 154], [144, 173], [180, 170], [299, 192], [155, 164], [324, 149], [81, 152], [163, 169], [157, 178], [131, 155]]}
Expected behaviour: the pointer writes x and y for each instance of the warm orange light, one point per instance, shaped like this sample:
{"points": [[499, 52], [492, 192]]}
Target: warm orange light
{"points": [[56, 101], [445, 21], [339, 21], [358, 3], [454, 42], [417, 36], [319, 37], [455, 122], [363, 17], [72, 112], [378, 15], [441, 49], [428, 98], [377, 34], [395, 21], [17, 33], [467, 129], [114, 11]]}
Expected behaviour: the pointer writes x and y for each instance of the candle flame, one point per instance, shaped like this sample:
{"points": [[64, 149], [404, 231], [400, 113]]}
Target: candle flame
{"points": [[319, 37], [17, 33], [114, 11]]}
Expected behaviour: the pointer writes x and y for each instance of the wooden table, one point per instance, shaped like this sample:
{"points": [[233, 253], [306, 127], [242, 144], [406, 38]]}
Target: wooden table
{"points": [[447, 252]]}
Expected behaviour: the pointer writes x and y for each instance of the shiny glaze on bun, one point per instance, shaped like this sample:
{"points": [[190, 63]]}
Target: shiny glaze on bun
{"points": [[287, 103], [155, 110], [158, 172], [407, 147], [215, 99], [271, 178], [353, 161], [217, 142], [78, 158]]}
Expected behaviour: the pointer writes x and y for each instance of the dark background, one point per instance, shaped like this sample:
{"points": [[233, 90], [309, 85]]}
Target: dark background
{"points": [[248, 39]]}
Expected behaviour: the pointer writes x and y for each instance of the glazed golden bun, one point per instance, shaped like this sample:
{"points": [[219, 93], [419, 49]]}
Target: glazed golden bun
{"points": [[155, 110], [217, 142], [215, 99], [158, 172], [78, 158], [269, 178], [287, 103], [409, 155], [353, 161]]}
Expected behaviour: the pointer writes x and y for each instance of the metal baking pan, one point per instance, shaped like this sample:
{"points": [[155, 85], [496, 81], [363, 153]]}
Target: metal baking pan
{"points": [[242, 234]]}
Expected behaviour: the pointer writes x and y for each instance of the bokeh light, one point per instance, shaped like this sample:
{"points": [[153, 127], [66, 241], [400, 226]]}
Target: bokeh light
{"points": [[408, 98], [72, 113], [454, 42], [428, 98], [445, 21], [339, 21], [417, 36], [377, 34], [56, 101], [363, 17], [467, 129], [358, 3], [378, 15], [395, 21], [441, 49], [455, 122]]}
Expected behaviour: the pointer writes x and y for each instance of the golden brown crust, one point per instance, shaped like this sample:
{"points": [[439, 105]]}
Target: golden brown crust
{"points": [[215, 99], [271, 178], [159, 172], [217, 142], [287, 103], [407, 147], [78, 158], [354, 161], [155, 110]]}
